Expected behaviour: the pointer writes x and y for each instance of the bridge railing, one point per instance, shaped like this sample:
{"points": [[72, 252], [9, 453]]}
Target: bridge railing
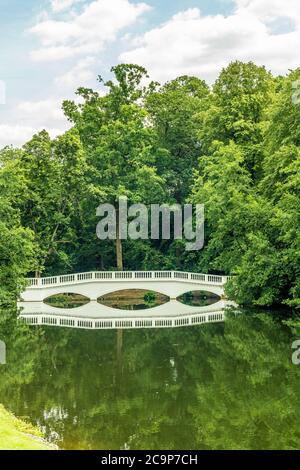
{"points": [[123, 323], [125, 276]]}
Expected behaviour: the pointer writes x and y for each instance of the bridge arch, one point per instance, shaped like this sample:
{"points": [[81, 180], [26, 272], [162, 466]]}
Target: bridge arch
{"points": [[95, 290]]}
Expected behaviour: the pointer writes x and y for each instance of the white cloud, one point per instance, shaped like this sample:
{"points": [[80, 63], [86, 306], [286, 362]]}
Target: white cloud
{"points": [[18, 134], [30, 117], [79, 75], [190, 43], [44, 113], [265, 31], [267, 10], [60, 5], [86, 32]]}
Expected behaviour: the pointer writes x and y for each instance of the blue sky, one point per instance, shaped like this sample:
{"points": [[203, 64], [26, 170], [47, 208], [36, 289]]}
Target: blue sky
{"points": [[50, 47]]}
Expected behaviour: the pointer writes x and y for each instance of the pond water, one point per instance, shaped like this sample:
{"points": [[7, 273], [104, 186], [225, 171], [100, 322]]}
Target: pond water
{"points": [[132, 299], [230, 385]]}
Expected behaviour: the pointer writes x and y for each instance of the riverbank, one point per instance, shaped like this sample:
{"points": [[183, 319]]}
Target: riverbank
{"points": [[18, 435]]}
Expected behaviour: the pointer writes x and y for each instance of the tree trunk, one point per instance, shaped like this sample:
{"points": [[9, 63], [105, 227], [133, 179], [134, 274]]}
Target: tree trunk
{"points": [[102, 263], [119, 253], [119, 248]]}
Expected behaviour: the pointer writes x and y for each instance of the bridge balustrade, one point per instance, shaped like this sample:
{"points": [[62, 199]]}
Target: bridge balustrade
{"points": [[125, 323], [124, 276]]}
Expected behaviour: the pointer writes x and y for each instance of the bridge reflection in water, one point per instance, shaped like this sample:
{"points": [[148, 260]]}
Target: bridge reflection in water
{"points": [[97, 284]]}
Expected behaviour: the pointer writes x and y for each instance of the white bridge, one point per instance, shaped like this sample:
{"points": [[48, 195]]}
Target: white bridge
{"points": [[94, 285]]}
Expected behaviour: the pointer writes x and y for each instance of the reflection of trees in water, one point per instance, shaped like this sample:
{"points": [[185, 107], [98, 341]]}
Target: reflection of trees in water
{"points": [[23, 347], [215, 386], [250, 397], [133, 299], [198, 298]]}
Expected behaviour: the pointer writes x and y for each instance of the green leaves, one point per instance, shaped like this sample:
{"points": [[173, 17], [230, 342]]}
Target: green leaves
{"points": [[17, 248], [174, 111], [234, 147], [250, 186]]}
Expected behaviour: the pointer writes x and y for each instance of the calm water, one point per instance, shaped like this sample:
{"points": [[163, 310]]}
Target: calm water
{"points": [[132, 299], [221, 386]]}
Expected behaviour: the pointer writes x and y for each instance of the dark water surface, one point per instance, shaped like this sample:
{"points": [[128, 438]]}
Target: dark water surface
{"points": [[218, 386]]}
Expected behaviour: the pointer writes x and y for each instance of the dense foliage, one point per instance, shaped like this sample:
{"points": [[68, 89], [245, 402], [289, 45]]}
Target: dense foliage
{"points": [[234, 147]]}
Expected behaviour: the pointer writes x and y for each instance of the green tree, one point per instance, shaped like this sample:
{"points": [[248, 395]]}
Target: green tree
{"points": [[16, 243], [238, 112], [174, 109], [281, 182], [121, 147], [252, 227], [54, 174]]}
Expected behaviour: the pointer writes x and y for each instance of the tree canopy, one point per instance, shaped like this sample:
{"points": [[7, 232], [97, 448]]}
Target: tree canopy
{"points": [[234, 147]]}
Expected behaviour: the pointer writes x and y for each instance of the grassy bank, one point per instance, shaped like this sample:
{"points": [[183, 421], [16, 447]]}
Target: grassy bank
{"points": [[18, 435]]}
